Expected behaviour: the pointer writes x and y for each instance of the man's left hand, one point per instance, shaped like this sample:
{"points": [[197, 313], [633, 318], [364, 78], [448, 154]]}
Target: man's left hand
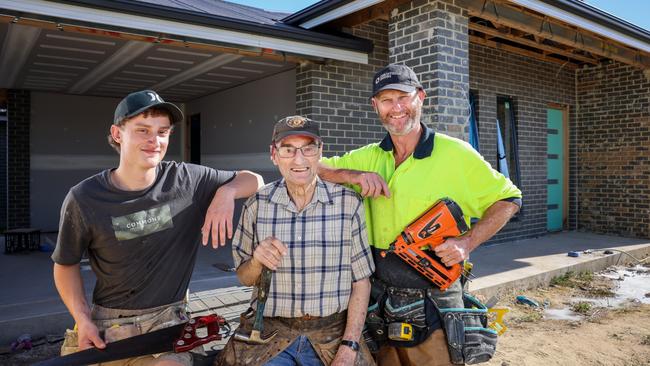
{"points": [[454, 250], [345, 356], [218, 218]]}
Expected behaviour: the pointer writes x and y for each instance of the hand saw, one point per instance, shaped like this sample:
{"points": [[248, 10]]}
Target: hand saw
{"points": [[178, 338]]}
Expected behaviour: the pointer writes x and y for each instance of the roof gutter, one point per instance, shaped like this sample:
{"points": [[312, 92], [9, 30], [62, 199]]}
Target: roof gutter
{"points": [[591, 19], [326, 11], [126, 14], [313, 11], [602, 17]]}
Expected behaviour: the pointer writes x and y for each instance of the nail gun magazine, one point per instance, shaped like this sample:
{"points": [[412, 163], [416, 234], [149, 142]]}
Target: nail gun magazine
{"points": [[416, 242]]}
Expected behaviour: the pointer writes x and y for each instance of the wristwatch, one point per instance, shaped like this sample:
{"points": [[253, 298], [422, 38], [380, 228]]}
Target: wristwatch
{"points": [[352, 344]]}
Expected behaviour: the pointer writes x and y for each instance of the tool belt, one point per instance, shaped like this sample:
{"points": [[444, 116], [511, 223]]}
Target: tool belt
{"points": [[324, 334], [422, 311], [308, 322], [400, 317]]}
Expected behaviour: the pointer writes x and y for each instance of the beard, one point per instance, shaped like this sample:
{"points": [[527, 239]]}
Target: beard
{"points": [[411, 123]]}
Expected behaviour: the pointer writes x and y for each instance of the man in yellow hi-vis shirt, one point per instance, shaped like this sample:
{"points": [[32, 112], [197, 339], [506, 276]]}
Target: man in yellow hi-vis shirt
{"points": [[402, 176]]}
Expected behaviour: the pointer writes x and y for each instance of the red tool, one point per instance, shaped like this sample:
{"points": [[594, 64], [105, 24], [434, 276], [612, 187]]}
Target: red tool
{"points": [[189, 340], [415, 243]]}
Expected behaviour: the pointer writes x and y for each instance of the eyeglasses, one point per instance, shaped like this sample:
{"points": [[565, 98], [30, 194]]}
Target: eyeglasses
{"points": [[290, 151]]}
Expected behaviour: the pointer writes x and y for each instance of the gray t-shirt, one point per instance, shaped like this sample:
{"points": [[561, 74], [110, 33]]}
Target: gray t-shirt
{"points": [[142, 245]]}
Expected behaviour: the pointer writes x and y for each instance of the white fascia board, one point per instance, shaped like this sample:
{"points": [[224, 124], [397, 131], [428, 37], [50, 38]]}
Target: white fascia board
{"points": [[138, 22], [582, 23], [339, 12]]}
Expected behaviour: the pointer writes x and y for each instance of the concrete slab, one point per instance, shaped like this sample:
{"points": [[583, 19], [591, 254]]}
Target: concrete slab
{"points": [[533, 262]]}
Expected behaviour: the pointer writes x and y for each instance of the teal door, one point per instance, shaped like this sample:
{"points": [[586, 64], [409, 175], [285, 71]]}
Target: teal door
{"points": [[555, 169]]}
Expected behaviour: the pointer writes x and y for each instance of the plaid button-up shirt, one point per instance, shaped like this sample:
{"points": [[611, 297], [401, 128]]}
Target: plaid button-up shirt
{"points": [[327, 247]]}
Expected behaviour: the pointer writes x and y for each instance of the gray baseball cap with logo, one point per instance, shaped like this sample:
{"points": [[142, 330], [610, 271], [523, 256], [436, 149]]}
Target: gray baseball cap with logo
{"points": [[138, 102]]}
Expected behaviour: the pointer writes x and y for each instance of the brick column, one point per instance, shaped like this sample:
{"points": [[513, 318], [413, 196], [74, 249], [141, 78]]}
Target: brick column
{"points": [[337, 93], [431, 37], [18, 108]]}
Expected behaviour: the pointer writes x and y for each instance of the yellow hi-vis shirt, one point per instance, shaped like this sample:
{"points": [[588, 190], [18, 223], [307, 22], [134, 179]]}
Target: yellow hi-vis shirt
{"points": [[441, 166]]}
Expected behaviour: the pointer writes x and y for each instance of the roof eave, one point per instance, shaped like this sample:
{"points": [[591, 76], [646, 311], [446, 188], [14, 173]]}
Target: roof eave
{"points": [[591, 19], [602, 17], [186, 16]]}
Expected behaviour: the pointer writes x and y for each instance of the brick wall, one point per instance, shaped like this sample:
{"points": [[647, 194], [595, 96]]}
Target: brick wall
{"points": [[18, 106], [613, 149], [337, 93], [3, 161], [532, 84], [431, 38]]}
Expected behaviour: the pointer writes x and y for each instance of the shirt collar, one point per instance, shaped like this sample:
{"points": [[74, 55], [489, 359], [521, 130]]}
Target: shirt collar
{"points": [[280, 195], [422, 150]]}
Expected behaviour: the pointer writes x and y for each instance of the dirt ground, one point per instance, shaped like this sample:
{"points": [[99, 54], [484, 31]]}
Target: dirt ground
{"points": [[602, 336]]}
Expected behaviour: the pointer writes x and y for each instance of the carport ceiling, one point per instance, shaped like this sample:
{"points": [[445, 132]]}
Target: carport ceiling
{"points": [[42, 59]]}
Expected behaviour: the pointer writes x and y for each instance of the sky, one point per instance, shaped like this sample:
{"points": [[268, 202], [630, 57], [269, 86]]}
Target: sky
{"points": [[634, 11]]}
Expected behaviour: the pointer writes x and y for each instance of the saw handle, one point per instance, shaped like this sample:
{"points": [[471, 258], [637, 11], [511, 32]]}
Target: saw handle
{"points": [[189, 339]]}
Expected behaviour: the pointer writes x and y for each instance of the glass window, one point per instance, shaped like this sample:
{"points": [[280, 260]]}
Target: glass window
{"points": [[507, 145]]}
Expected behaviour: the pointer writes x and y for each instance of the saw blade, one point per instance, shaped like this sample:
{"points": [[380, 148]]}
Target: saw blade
{"points": [[145, 344]]}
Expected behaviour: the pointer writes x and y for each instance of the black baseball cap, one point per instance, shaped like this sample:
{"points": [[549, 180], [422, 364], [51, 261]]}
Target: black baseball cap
{"points": [[295, 125], [394, 76], [138, 102]]}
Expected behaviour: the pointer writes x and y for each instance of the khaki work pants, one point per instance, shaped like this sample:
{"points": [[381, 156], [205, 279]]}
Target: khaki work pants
{"points": [[432, 352]]}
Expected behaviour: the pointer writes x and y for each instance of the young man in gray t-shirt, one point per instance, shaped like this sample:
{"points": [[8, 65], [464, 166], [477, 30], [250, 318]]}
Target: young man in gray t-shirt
{"points": [[140, 224]]}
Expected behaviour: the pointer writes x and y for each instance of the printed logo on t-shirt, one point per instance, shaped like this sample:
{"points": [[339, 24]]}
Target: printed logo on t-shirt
{"points": [[142, 223]]}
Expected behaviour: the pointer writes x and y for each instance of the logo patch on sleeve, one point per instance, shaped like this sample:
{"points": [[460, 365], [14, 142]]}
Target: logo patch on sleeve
{"points": [[142, 223]]}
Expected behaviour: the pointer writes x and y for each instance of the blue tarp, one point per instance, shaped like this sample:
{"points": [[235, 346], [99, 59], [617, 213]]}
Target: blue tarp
{"points": [[502, 158]]}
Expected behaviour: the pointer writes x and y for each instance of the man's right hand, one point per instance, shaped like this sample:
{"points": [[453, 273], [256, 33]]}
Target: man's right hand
{"points": [[269, 253], [88, 336], [371, 184]]}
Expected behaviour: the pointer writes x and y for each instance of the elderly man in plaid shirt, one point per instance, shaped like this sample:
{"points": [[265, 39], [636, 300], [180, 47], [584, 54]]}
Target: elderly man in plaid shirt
{"points": [[312, 235]]}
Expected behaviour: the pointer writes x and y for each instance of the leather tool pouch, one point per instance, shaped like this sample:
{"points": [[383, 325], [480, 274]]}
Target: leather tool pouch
{"points": [[118, 333], [413, 307], [470, 340]]}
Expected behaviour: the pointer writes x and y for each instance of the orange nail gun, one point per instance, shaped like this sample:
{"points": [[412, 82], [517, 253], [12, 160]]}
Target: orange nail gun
{"points": [[416, 242]]}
